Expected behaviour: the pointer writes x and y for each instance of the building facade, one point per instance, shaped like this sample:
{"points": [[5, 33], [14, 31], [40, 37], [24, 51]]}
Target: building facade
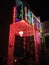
{"points": [[24, 34]]}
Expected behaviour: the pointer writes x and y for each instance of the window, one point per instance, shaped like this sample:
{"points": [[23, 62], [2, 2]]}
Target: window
{"points": [[47, 41]]}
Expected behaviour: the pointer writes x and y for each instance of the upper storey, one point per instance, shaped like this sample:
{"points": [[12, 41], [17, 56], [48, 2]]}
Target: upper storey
{"points": [[22, 11]]}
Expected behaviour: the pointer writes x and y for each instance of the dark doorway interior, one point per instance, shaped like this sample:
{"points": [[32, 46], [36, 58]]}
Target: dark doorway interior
{"points": [[28, 57], [47, 41], [30, 49], [19, 50]]}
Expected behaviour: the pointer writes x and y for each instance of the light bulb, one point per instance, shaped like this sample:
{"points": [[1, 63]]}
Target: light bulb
{"points": [[21, 33]]}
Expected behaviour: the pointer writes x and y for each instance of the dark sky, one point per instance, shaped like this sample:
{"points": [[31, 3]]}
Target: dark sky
{"points": [[40, 8]]}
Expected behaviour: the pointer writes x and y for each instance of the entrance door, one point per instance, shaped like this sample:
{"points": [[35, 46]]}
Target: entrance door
{"points": [[30, 50], [18, 48]]}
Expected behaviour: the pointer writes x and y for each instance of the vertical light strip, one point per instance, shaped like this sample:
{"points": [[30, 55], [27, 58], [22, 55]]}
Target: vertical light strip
{"points": [[28, 15], [25, 13], [35, 43], [32, 20], [14, 14]]}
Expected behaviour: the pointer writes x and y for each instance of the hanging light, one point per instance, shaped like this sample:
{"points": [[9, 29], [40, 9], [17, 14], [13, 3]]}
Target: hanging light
{"points": [[21, 33]]}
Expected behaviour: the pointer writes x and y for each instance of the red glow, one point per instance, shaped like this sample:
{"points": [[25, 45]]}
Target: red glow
{"points": [[37, 37], [15, 28], [22, 26], [14, 14]]}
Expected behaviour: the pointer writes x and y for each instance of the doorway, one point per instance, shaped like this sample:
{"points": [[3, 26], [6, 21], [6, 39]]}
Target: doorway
{"points": [[29, 51], [18, 47]]}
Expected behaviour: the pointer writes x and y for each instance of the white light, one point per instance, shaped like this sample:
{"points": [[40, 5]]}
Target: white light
{"points": [[15, 60], [21, 33]]}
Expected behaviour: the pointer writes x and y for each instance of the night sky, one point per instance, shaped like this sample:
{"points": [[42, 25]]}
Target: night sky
{"points": [[39, 7]]}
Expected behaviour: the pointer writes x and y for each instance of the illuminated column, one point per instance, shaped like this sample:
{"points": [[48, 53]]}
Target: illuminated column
{"points": [[34, 37], [25, 13], [36, 56], [35, 43], [32, 20], [10, 57], [14, 14]]}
